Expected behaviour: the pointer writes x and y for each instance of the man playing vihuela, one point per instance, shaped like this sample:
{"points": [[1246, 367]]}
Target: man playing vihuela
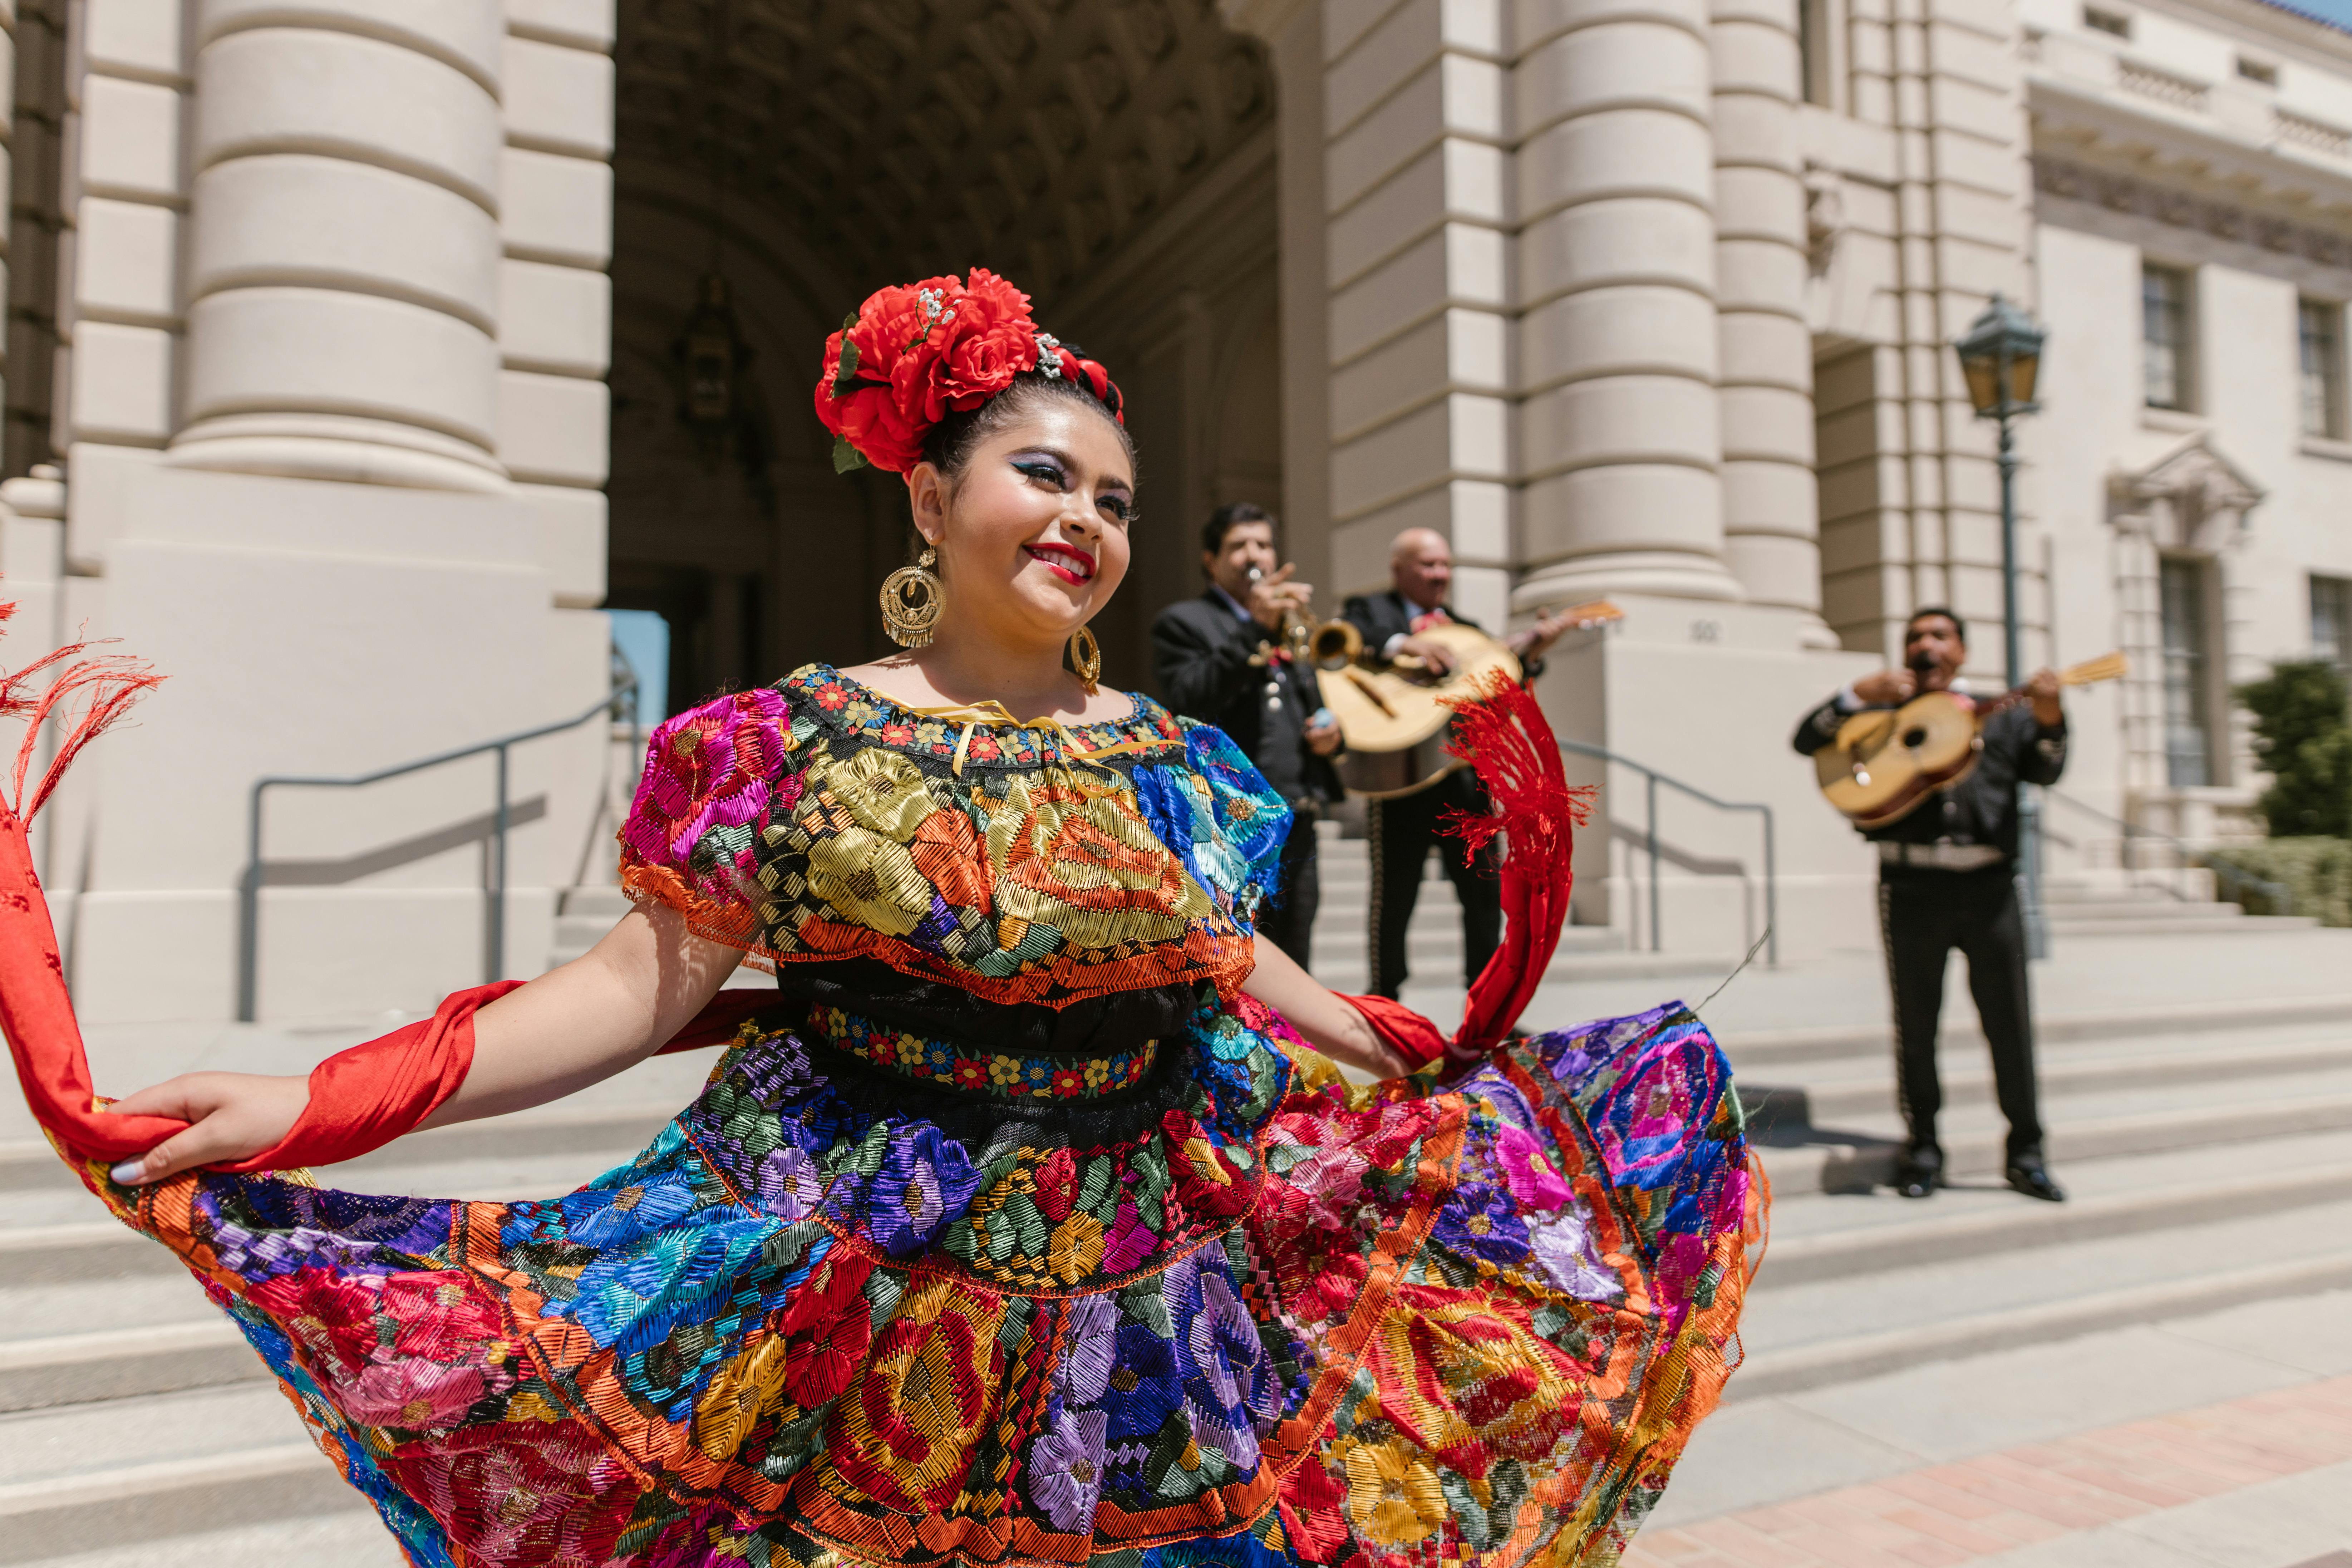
{"points": [[1403, 830], [1947, 879], [1221, 658]]}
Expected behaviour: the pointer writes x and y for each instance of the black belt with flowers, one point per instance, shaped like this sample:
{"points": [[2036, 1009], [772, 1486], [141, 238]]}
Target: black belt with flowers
{"points": [[1002, 1074]]}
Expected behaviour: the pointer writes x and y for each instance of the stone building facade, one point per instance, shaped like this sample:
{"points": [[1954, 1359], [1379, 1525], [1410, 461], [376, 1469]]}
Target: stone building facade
{"points": [[359, 352]]}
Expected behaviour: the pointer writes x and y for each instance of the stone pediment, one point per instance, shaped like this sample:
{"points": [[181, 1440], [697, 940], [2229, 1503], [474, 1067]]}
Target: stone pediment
{"points": [[2192, 497]]}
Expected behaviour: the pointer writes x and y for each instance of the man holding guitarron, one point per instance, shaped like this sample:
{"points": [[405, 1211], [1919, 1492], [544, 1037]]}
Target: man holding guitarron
{"points": [[1405, 828], [1947, 879]]}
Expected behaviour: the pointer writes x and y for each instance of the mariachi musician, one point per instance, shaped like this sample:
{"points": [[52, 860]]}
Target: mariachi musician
{"points": [[1403, 829], [1947, 878], [1222, 658]]}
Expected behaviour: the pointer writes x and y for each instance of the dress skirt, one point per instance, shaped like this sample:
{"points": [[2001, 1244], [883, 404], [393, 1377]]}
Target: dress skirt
{"points": [[869, 1300]]}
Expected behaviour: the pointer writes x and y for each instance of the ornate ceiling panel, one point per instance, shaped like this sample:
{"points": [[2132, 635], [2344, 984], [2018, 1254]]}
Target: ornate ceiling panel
{"points": [[902, 137]]}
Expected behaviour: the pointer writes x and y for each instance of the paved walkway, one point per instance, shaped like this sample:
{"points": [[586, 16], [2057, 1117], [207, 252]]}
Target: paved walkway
{"points": [[2231, 1484], [2261, 1478]]}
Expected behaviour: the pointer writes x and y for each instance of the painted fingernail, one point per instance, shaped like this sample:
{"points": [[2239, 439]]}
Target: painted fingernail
{"points": [[128, 1171]]}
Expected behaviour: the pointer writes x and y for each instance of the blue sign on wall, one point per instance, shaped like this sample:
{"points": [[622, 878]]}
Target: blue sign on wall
{"points": [[642, 637]]}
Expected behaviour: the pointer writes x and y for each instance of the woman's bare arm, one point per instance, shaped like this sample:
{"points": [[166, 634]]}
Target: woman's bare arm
{"points": [[607, 1010], [604, 1011], [1329, 1025]]}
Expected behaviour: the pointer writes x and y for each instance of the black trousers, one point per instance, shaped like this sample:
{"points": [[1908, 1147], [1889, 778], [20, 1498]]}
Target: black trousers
{"points": [[1287, 920], [1402, 832], [1923, 914]]}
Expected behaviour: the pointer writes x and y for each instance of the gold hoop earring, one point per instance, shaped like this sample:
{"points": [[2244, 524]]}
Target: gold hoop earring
{"points": [[911, 600], [1086, 658]]}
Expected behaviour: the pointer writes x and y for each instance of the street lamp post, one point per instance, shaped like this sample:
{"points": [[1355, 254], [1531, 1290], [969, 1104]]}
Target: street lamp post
{"points": [[2000, 354]]}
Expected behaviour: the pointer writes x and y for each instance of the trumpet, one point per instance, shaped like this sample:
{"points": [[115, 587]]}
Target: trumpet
{"points": [[1334, 644]]}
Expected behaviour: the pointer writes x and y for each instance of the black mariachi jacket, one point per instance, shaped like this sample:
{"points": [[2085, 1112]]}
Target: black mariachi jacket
{"points": [[1201, 654], [1982, 807]]}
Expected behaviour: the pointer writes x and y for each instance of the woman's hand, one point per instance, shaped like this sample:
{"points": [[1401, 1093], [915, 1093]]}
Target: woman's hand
{"points": [[569, 1028], [1328, 1024], [231, 1115]]}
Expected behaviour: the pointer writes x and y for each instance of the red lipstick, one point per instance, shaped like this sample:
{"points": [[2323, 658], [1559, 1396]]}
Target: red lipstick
{"points": [[1070, 565]]}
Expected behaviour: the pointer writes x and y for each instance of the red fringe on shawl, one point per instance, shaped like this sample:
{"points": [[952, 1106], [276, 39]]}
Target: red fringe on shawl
{"points": [[1503, 733], [360, 1099]]}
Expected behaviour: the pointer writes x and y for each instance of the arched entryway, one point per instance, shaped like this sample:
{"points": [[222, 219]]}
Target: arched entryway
{"points": [[778, 158]]}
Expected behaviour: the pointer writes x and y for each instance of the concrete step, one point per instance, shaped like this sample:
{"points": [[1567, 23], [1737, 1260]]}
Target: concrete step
{"points": [[2211, 921], [567, 1129], [2057, 891], [93, 1312], [1938, 1289], [1797, 1215], [604, 901], [1862, 1088], [582, 931], [94, 1476], [121, 1363], [1767, 1371], [2156, 908], [2207, 1148], [345, 1540], [1931, 1232], [1865, 1159], [1752, 1050]]}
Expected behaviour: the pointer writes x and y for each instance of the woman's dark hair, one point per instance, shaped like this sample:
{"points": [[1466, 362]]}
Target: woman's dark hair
{"points": [[950, 446], [1229, 517]]}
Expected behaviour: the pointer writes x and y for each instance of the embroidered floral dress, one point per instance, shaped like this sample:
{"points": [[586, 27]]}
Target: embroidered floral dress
{"points": [[1015, 1233]]}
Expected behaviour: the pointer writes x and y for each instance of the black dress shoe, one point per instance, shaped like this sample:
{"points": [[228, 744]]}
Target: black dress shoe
{"points": [[1919, 1171], [2027, 1174]]}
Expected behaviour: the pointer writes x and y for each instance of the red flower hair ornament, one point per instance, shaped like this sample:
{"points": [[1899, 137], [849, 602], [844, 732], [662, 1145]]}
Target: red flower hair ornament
{"points": [[913, 353]]}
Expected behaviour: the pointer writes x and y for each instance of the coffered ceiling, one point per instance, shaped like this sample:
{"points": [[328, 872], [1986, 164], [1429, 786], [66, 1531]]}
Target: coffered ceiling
{"points": [[900, 137]]}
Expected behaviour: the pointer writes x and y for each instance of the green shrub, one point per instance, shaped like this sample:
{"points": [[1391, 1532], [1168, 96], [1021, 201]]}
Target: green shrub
{"points": [[2305, 741], [2316, 873]]}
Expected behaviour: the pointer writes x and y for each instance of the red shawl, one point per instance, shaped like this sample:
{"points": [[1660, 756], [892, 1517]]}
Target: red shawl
{"points": [[1502, 732]]}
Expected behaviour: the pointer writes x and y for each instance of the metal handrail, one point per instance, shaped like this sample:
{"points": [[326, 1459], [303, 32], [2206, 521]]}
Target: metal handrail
{"points": [[1652, 778], [2234, 878], [624, 696]]}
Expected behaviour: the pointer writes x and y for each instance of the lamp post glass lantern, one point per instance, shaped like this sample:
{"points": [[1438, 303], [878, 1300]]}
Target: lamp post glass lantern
{"points": [[2001, 357]]}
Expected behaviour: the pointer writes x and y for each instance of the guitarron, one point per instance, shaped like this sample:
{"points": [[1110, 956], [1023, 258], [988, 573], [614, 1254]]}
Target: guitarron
{"points": [[1394, 719], [1884, 761]]}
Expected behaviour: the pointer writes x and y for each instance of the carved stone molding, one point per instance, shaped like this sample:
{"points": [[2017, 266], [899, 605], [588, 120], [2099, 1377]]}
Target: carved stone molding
{"points": [[1034, 136], [2192, 499], [1267, 19], [1825, 219], [2184, 209]]}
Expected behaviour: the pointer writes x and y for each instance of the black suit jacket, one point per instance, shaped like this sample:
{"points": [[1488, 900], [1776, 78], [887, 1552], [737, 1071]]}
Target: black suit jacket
{"points": [[1201, 655], [1980, 808], [1379, 616]]}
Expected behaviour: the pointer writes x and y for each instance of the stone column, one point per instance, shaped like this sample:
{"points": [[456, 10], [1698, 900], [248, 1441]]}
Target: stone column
{"points": [[1417, 198], [555, 304], [1618, 438], [1292, 31], [1770, 508], [343, 275], [1946, 85]]}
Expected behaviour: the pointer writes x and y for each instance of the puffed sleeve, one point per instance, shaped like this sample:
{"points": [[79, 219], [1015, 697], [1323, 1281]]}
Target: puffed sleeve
{"points": [[1240, 855], [711, 776]]}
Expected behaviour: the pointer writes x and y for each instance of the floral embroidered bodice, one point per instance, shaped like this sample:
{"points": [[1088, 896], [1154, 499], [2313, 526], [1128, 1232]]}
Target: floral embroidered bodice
{"points": [[932, 871]]}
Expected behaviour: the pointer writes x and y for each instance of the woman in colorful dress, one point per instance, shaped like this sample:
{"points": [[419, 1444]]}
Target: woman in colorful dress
{"points": [[1029, 1221]]}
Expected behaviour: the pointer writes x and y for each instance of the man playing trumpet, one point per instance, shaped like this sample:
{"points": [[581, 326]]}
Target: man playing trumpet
{"points": [[1224, 657]]}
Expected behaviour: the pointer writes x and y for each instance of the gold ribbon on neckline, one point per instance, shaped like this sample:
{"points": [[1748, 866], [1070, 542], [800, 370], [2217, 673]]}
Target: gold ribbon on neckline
{"points": [[972, 715]]}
